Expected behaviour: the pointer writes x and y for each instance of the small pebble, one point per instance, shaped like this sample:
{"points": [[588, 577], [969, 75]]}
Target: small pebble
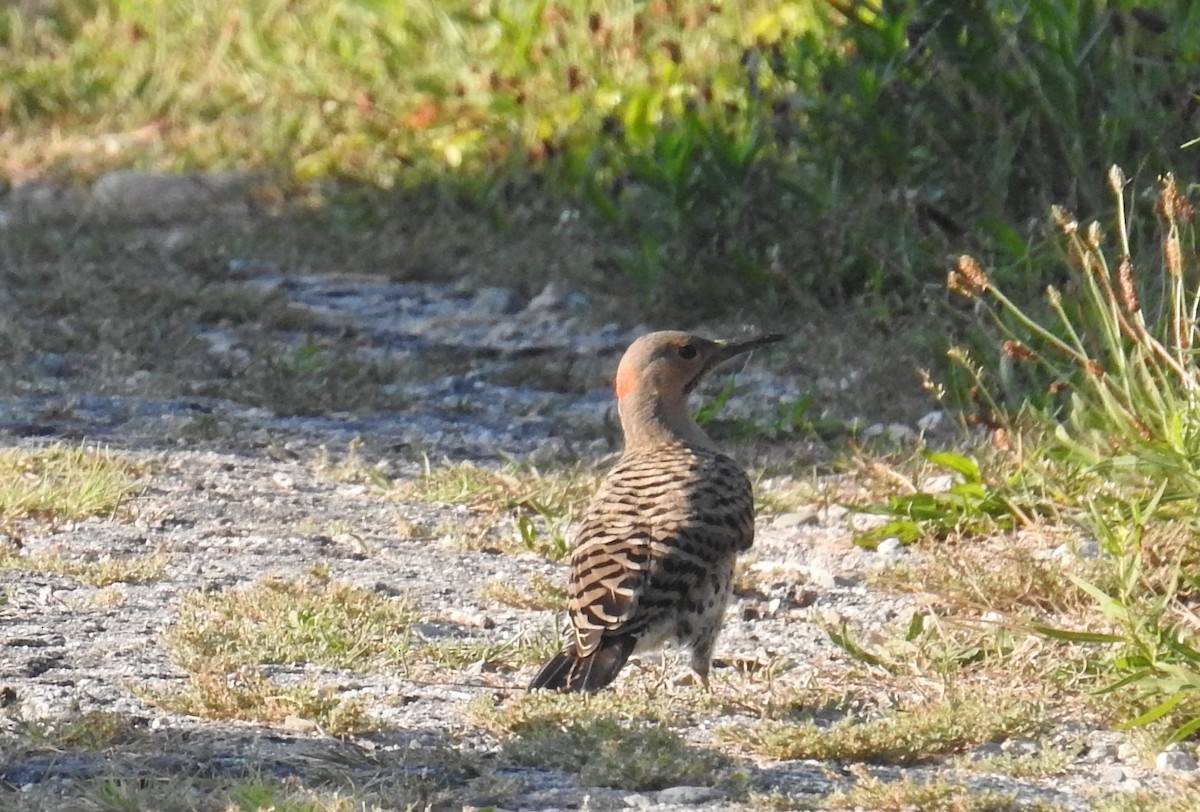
{"points": [[1127, 752], [938, 484], [1101, 753], [796, 518], [930, 421], [834, 513], [1113, 775], [890, 546]]}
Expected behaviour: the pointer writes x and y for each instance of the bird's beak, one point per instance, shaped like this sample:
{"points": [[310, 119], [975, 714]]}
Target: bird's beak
{"points": [[730, 349]]}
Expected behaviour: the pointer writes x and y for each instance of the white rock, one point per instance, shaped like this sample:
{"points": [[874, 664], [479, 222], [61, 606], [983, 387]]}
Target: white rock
{"points": [[930, 421], [938, 484], [890, 546], [835, 512], [552, 297], [1113, 775]]}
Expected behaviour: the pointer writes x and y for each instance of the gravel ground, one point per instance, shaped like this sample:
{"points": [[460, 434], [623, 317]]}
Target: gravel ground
{"points": [[253, 494]]}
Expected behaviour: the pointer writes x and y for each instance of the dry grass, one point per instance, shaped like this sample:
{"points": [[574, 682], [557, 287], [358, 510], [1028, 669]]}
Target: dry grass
{"points": [[249, 695], [536, 592], [605, 740], [103, 571], [941, 794], [515, 508], [280, 621], [978, 576], [913, 732], [514, 487]]}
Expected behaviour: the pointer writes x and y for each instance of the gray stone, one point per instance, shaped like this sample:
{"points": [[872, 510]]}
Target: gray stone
{"points": [[930, 421], [1101, 753], [690, 796], [985, 751], [131, 194], [891, 432], [1175, 759], [1021, 747], [796, 518]]}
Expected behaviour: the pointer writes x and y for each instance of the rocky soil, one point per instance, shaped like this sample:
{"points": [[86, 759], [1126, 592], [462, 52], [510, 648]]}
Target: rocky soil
{"points": [[234, 493]]}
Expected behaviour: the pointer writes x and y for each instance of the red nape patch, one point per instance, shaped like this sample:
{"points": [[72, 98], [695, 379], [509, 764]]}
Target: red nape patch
{"points": [[626, 380]]}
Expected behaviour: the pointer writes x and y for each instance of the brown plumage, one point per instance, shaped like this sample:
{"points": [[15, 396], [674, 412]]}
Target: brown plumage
{"points": [[654, 556]]}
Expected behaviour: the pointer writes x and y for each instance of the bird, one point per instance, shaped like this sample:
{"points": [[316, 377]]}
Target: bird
{"points": [[653, 558]]}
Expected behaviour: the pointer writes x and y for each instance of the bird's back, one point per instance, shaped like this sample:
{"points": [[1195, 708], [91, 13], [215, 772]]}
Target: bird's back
{"points": [[663, 527]]}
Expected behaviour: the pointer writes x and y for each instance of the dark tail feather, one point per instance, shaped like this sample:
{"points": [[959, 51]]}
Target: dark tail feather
{"points": [[567, 671]]}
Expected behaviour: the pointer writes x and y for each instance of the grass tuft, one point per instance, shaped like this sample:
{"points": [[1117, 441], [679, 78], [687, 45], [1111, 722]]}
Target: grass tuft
{"points": [[100, 572], [909, 734], [938, 793], [603, 740], [279, 621], [64, 482], [540, 505], [248, 694], [537, 593]]}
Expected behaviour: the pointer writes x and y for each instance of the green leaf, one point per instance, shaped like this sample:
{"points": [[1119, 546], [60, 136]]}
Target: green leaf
{"points": [[1071, 636], [1157, 712], [956, 462], [842, 639], [916, 625]]}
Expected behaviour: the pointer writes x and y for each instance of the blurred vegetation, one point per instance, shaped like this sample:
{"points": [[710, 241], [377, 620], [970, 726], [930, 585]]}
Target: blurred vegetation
{"points": [[729, 152]]}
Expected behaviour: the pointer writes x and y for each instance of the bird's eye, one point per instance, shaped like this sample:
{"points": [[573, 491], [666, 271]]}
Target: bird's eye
{"points": [[687, 352]]}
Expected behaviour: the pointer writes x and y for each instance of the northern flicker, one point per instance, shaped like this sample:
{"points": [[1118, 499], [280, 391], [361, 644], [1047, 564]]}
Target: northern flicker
{"points": [[653, 559]]}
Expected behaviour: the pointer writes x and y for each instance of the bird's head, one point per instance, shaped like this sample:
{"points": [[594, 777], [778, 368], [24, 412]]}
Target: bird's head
{"points": [[659, 370]]}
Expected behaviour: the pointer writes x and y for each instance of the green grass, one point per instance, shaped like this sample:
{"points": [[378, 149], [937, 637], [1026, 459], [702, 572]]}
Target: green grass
{"points": [[1181, 800], [313, 85], [721, 152], [64, 482]]}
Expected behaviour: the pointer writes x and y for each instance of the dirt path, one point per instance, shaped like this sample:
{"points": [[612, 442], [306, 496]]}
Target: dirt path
{"points": [[233, 495]]}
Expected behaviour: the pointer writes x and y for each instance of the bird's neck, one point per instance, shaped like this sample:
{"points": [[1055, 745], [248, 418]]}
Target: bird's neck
{"points": [[648, 419]]}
